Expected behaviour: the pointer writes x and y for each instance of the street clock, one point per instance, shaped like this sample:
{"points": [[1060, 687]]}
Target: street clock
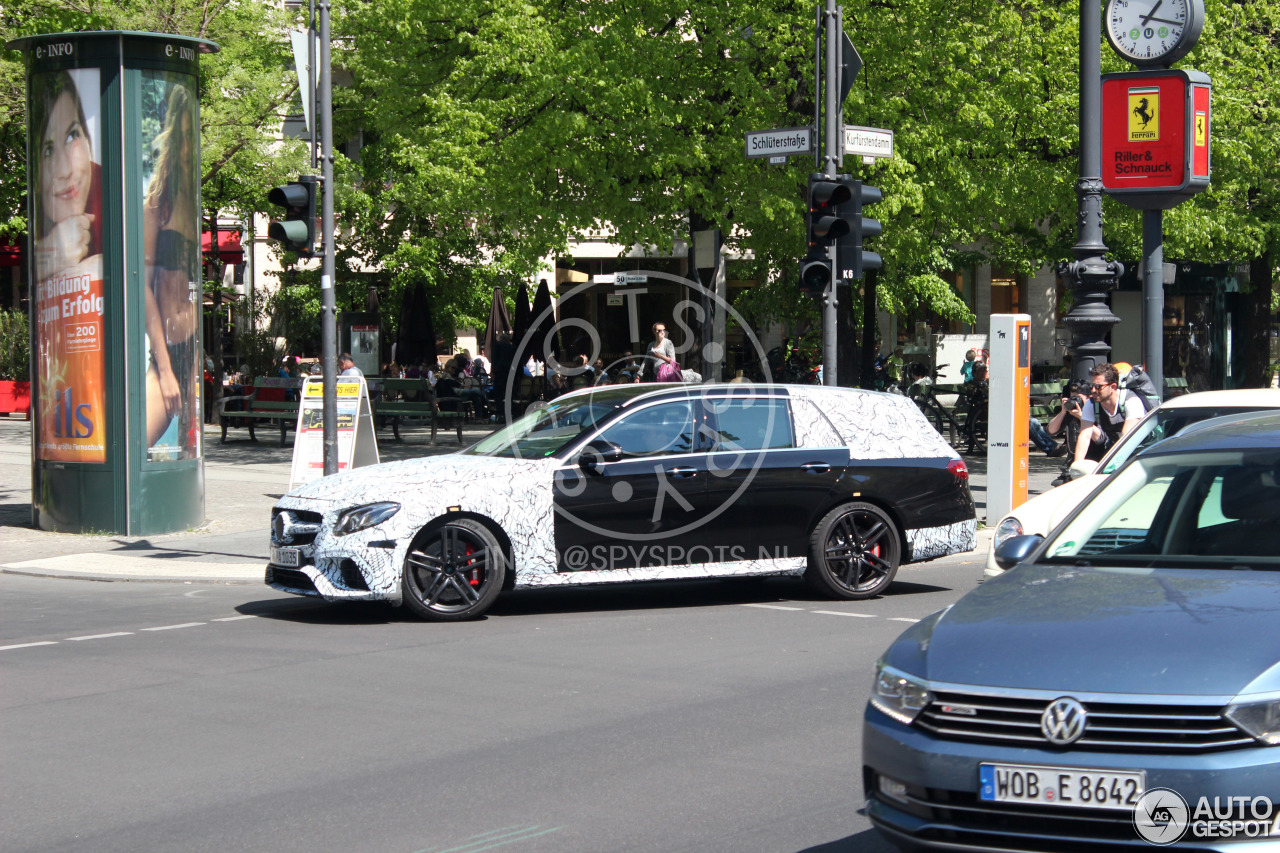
{"points": [[1154, 32]]}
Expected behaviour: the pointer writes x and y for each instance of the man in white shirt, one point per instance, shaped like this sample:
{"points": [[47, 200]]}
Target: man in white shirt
{"points": [[347, 366], [1109, 413], [481, 362]]}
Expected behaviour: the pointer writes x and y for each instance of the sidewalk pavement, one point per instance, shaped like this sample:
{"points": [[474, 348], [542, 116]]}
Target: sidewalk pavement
{"points": [[243, 480]]}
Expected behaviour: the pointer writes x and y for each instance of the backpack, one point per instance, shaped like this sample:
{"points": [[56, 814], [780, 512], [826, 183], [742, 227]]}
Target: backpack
{"points": [[1139, 384]]}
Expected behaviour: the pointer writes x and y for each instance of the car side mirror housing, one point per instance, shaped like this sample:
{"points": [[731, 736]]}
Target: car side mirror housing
{"points": [[597, 453], [1015, 549], [1083, 468]]}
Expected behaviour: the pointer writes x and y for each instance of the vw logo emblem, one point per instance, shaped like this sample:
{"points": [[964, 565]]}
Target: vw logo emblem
{"points": [[279, 525], [1063, 721]]}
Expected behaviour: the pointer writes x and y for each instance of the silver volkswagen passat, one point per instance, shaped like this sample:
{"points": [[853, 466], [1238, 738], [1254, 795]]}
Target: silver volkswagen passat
{"points": [[1121, 688]]}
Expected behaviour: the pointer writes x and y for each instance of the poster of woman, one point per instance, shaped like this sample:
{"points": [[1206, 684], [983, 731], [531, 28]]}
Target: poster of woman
{"points": [[171, 243], [68, 268]]}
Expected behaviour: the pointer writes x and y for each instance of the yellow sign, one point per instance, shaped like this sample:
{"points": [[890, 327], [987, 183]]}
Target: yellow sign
{"points": [[1202, 130], [1144, 114]]}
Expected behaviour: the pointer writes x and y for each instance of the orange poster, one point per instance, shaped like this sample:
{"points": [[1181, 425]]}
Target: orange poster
{"points": [[68, 272]]}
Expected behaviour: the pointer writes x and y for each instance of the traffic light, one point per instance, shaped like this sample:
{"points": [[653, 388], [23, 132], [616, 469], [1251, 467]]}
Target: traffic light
{"points": [[853, 260], [815, 271], [297, 231], [826, 195], [824, 225]]}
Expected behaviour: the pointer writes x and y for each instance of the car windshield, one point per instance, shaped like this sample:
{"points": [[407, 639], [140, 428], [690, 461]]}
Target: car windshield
{"points": [[543, 431], [1161, 424], [1201, 510]]}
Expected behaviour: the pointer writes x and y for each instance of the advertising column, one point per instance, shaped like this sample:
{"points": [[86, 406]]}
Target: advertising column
{"points": [[116, 281]]}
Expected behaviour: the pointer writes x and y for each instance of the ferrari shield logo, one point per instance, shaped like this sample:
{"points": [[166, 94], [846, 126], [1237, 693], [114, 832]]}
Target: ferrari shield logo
{"points": [[1144, 114]]}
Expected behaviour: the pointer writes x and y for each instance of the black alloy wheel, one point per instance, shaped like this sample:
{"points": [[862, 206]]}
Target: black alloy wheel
{"points": [[453, 571], [853, 552]]}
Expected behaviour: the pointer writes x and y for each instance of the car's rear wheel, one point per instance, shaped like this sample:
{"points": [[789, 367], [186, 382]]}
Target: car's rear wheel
{"points": [[853, 552], [453, 571]]}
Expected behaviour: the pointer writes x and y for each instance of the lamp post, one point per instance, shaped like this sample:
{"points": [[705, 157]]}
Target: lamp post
{"points": [[1092, 276]]}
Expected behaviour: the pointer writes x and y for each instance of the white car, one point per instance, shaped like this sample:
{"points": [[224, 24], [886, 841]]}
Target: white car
{"points": [[1043, 512]]}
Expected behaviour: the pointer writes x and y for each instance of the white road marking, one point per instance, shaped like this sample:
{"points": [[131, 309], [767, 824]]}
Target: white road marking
{"points": [[232, 618], [843, 613], [171, 627], [100, 636], [29, 645], [773, 606], [902, 619]]}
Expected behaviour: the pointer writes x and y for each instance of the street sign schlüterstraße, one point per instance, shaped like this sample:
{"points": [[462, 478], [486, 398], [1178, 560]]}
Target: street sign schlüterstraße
{"points": [[780, 142]]}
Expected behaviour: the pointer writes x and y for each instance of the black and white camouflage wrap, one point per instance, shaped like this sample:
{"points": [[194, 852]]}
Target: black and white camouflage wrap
{"points": [[517, 495]]}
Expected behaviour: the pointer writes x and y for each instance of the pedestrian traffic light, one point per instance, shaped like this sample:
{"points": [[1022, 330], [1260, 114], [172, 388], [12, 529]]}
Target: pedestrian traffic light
{"points": [[853, 260], [297, 231], [826, 195]]}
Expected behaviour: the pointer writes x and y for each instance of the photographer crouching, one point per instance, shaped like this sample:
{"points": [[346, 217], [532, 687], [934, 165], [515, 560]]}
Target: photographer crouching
{"points": [[1099, 410]]}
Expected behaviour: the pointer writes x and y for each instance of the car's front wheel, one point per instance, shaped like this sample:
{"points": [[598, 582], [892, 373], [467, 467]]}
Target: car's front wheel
{"points": [[853, 552], [453, 571]]}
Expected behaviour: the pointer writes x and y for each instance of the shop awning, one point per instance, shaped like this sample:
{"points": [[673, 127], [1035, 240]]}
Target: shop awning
{"points": [[229, 249]]}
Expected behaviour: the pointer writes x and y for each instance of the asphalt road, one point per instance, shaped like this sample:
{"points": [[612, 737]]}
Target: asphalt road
{"points": [[708, 716]]}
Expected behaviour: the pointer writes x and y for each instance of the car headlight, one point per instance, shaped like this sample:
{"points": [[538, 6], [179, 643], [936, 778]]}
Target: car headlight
{"points": [[899, 695], [361, 517], [1260, 719], [1007, 529]]}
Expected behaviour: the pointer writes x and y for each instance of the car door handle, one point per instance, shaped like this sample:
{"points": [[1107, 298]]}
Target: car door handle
{"points": [[683, 472], [815, 467]]}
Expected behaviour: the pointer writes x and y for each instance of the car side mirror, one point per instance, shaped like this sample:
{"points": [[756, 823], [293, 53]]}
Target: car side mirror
{"points": [[1015, 549], [597, 453], [1083, 468]]}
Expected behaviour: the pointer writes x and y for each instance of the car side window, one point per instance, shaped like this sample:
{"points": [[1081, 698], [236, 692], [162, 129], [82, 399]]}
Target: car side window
{"points": [[753, 424], [660, 430]]}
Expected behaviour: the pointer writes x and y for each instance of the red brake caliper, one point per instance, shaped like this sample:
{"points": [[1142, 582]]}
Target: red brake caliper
{"points": [[475, 573]]}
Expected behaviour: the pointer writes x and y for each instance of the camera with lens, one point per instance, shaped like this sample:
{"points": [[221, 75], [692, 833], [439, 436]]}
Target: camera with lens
{"points": [[1076, 396]]}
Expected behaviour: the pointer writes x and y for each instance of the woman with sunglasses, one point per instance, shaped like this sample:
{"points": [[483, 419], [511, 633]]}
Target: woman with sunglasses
{"points": [[663, 353]]}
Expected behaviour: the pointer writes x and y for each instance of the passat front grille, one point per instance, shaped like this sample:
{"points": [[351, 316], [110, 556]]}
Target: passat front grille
{"points": [[1109, 726], [960, 818]]}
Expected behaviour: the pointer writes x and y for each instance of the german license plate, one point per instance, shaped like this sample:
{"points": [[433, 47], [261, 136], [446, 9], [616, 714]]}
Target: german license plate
{"points": [[1076, 787], [286, 556]]}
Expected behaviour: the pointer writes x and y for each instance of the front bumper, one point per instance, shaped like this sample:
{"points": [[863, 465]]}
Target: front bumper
{"points": [[362, 566], [942, 810]]}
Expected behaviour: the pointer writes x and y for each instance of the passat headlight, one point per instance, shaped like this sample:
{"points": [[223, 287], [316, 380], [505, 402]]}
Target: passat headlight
{"points": [[898, 694], [360, 517], [1007, 529], [1260, 719]]}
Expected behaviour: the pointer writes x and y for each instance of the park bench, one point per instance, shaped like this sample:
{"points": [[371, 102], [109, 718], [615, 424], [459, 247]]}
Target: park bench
{"points": [[415, 398], [267, 402]]}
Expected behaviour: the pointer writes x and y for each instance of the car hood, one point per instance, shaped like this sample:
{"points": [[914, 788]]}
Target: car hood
{"points": [[1183, 632], [1043, 512], [392, 480]]}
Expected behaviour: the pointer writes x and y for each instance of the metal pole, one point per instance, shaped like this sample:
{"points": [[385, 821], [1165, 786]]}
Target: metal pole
{"points": [[1153, 296], [830, 150], [328, 331], [1092, 274], [311, 79]]}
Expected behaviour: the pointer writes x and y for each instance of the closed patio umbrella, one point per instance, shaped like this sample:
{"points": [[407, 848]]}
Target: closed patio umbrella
{"points": [[499, 321]]}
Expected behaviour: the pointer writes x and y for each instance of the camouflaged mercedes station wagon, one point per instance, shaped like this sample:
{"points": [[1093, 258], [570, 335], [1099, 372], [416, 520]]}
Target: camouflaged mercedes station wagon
{"points": [[635, 483]]}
